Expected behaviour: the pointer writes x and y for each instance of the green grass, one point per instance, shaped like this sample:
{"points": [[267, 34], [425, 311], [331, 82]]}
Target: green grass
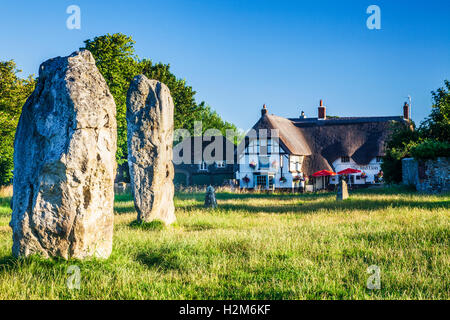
{"points": [[257, 246]]}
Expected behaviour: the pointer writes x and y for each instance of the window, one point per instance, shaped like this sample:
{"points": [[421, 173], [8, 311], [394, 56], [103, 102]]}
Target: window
{"points": [[275, 146], [220, 164], [261, 181], [267, 146], [252, 147], [203, 166], [264, 162], [345, 159], [295, 163], [263, 149], [379, 158], [271, 178]]}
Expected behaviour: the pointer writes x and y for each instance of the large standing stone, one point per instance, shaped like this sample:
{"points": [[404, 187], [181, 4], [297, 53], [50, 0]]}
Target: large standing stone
{"points": [[150, 137], [342, 193], [64, 163]]}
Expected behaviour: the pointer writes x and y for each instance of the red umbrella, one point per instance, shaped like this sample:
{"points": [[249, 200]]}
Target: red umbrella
{"points": [[349, 171], [323, 173]]}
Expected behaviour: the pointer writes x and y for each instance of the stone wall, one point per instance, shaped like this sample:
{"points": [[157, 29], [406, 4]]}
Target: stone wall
{"points": [[431, 176], [410, 171]]}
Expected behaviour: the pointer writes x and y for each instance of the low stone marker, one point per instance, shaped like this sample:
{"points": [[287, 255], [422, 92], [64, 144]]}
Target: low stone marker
{"points": [[210, 198], [150, 136], [121, 187], [342, 193], [64, 163]]}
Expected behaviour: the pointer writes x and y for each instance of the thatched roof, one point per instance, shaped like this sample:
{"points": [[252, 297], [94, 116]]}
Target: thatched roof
{"points": [[324, 141], [291, 137]]}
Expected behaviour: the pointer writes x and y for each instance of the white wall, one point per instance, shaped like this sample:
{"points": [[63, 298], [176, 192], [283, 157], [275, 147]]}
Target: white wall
{"points": [[370, 169], [244, 169]]}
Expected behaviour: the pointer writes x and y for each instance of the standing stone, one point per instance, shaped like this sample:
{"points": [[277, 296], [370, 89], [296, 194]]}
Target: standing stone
{"points": [[210, 198], [342, 193], [150, 136], [64, 163]]}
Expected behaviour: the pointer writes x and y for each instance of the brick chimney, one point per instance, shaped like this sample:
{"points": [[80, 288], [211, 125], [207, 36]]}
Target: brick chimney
{"points": [[406, 111], [263, 111], [322, 111]]}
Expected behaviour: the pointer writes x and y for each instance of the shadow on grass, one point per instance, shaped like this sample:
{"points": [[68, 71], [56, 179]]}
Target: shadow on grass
{"points": [[307, 202], [438, 235], [125, 197], [5, 201], [34, 262], [8, 263], [199, 226], [124, 209], [155, 225], [164, 259], [347, 205]]}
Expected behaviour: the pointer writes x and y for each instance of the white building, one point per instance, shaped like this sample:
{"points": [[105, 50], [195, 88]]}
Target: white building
{"points": [[280, 153]]}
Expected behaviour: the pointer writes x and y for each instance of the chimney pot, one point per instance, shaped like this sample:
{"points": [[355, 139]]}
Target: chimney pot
{"points": [[322, 111], [406, 111], [264, 110]]}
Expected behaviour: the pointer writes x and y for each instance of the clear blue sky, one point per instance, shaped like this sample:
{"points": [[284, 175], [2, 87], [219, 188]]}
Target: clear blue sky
{"points": [[239, 54]]}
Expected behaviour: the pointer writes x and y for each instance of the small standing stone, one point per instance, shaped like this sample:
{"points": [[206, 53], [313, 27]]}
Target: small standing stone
{"points": [[210, 198], [150, 137], [342, 193]]}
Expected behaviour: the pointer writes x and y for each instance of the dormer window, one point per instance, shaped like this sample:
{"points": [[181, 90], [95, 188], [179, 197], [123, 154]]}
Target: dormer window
{"points": [[295, 163], [345, 159]]}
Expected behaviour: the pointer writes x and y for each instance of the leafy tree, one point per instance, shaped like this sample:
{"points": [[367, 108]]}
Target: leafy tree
{"points": [[211, 120], [437, 125], [116, 59], [398, 147], [186, 109], [430, 149], [431, 140], [13, 93]]}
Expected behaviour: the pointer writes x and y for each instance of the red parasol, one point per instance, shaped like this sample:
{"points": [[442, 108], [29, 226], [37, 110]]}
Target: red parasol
{"points": [[349, 171], [323, 173]]}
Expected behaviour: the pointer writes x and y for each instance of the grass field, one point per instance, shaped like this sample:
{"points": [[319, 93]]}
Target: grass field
{"points": [[257, 246]]}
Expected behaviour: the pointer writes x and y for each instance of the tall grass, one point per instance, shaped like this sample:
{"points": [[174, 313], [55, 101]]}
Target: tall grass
{"points": [[258, 246]]}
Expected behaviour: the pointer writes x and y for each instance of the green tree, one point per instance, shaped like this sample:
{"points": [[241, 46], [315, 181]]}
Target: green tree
{"points": [[116, 59], [13, 93], [402, 139], [431, 140], [437, 125], [430, 149], [186, 109]]}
